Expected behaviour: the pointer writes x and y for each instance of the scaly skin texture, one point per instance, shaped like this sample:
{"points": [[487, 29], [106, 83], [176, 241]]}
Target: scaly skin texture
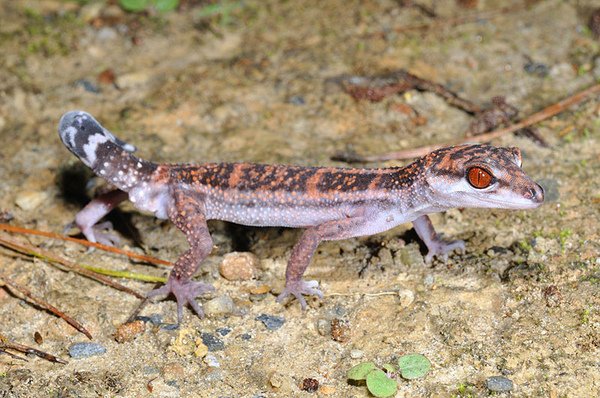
{"points": [[329, 203]]}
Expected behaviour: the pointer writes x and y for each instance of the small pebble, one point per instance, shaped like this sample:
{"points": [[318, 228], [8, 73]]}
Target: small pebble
{"points": [[428, 281], [107, 76], [309, 385], [212, 342], [107, 33], [239, 266], [37, 337], [30, 200], [219, 306], [173, 371], [340, 330], [355, 354], [223, 331], [257, 297], [150, 370], [262, 289], [296, 100], [327, 390], [271, 322], [499, 384], [552, 295], [536, 68], [129, 331], [212, 361], [324, 327], [169, 326], [185, 342], [130, 80], [406, 297], [245, 336], [201, 349], [87, 86], [85, 350], [6, 216], [276, 380], [154, 319]]}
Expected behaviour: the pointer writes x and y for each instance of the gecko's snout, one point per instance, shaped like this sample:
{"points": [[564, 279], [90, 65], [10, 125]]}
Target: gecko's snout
{"points": [[536, 194], [81, 133]]}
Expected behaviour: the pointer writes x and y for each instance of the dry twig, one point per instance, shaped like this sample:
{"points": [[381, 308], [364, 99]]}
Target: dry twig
{"points": [[44, 304], [537, 117], [140, 257]]}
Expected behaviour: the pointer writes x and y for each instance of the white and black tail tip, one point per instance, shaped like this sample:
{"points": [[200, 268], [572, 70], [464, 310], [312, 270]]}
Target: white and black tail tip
{"points": [[81, 134]]}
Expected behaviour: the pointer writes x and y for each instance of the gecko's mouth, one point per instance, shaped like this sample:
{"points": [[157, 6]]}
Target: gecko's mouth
{"points": [[516, 202]]}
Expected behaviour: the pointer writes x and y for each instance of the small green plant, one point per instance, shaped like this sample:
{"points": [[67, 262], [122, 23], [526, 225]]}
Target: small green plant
{"points": [[221, 9], [464, 390], [563, 235], [382, 383], [585, 316], [141, 5]]}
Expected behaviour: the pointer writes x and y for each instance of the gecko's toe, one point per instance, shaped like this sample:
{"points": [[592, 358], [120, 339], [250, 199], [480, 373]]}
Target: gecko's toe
{"points": [[299, 289], [442, 249], [185, 292]]}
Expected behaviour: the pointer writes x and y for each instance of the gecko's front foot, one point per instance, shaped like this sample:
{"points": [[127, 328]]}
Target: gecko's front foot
{"points": [[185, 292], [300, 288], [440, 247], [99, 233]]}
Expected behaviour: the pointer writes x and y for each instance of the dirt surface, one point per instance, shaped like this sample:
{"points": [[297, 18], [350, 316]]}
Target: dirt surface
{"points": [[255, 84]]}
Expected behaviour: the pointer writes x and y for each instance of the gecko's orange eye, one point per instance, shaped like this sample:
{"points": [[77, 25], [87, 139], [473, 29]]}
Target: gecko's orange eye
{"points": [[479, 178]]}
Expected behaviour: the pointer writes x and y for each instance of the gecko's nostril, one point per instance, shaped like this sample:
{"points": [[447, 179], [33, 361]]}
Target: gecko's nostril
{"points": [[536, 194]]}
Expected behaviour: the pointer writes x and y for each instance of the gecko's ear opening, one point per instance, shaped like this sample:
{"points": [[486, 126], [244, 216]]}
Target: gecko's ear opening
{"points": [[516, 152]]}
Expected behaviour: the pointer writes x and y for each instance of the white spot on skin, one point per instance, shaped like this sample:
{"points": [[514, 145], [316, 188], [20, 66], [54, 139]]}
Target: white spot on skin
{"points": [[91, 147], [69, 135]]}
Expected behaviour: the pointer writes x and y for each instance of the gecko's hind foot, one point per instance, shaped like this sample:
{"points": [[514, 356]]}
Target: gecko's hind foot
{"points": [[300, 288], [442, 248], [185, 292]]}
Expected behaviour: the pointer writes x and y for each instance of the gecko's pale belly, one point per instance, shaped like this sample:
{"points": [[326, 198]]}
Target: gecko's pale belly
{"points": [[371, 218]]}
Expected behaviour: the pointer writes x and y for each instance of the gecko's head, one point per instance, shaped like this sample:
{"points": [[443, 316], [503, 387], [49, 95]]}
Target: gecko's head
{"points": [[82, 135], [481, 176]]}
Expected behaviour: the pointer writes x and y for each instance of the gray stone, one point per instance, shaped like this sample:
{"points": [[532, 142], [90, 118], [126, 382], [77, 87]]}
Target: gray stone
{"points": [[85, 350], [271, 322], [499, 384]]}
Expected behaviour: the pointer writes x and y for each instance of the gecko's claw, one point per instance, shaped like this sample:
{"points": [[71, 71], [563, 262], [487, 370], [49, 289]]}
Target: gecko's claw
{"points": [[99, 233], [300, 288], [105, 234], [185, 292], [442, 248]]}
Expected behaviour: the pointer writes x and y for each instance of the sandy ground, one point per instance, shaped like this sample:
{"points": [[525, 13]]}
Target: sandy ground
{"points": [[254, 85]]}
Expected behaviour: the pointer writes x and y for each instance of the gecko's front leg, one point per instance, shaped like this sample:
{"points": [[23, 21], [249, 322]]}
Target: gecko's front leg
{"points": [[302, 254], [186, 212], [87, 218], [435, 245]]}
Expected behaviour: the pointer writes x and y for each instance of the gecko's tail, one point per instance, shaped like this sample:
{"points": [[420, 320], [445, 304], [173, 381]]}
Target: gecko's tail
{"points": [[83, 135]]}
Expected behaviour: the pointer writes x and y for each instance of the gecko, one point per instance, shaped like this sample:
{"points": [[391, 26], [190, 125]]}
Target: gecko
{"points": [[328, 203]]}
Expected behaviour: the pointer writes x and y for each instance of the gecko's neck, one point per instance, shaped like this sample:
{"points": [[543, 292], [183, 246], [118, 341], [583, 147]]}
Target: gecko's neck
{"points": [[121, 168], [411, 192]]}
